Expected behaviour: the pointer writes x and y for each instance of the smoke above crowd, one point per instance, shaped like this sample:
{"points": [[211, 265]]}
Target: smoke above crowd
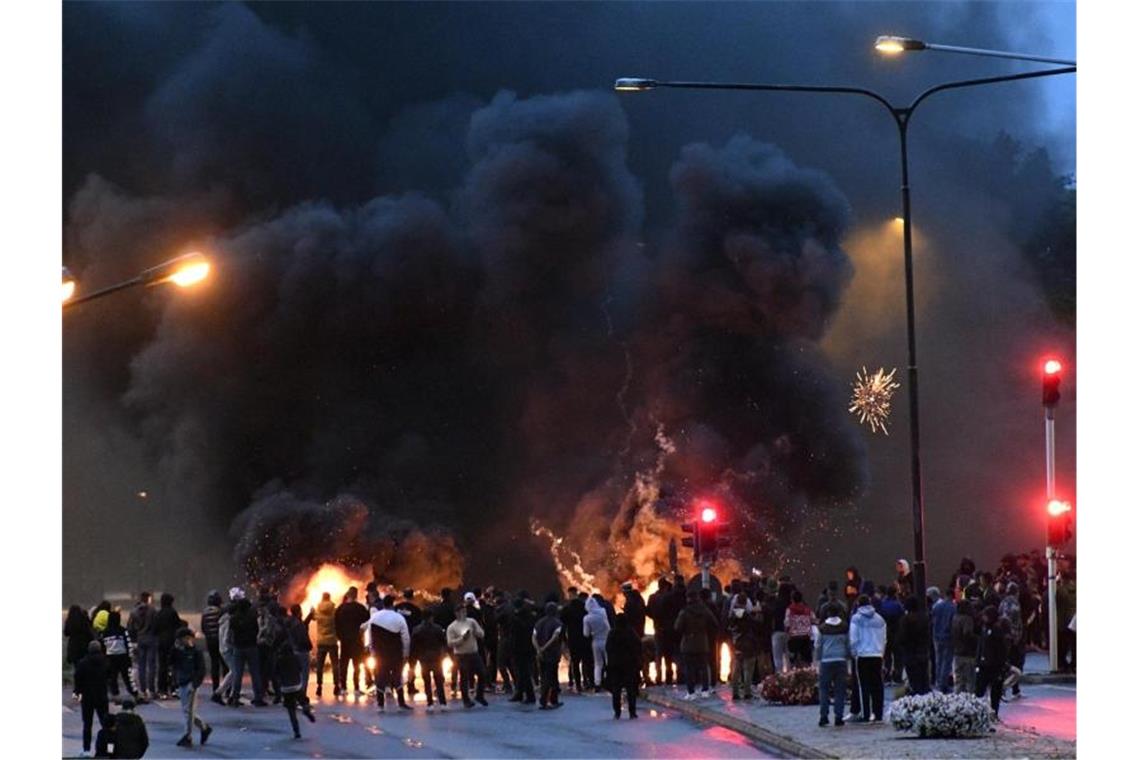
{"points": [[443, 332]]}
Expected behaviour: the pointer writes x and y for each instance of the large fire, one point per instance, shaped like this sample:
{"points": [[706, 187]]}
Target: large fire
{"points": [[334, 580]]}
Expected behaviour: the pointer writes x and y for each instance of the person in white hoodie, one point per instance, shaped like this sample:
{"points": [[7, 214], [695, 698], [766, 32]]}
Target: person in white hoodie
{"points": [[596, 627], [390, 642], [867, 638]]}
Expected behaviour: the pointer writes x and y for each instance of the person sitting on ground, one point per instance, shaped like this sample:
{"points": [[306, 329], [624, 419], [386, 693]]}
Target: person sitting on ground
{"points": [[124, 735]]}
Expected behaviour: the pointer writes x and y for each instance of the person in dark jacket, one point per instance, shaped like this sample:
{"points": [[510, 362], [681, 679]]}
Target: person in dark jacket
{"points": [[964, 640], [547, 641], [287, 665], [694, 625], [413, 615], [914, 645], [743, 629], [297, 629], [166, 625], [124, 735], [522, 649], [211, 616], [993, 650], [91, 689], [504, 620], [660, 610], [77, 629], [623, 664], [572, 615], [244, 629], [350, 615], [140, 627], [429, 647], [117, 646], [892, 611], [188, 670]]}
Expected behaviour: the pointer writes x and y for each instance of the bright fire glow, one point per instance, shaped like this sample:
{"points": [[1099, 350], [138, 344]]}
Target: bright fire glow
{"points": [[334, 580], [725, 662], [370, 663], [1052, 367], [190, 274], [1056, 507], [708, 514], [68, 289]]}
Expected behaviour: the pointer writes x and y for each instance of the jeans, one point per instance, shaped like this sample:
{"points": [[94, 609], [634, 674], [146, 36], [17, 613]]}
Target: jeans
{"points": [[268, 671], [323, 651], [226, 684], [242, 657], [471, 668], [963, 675], [148, 665], [695, 668], [599, 650], [577, 663], [832, 687], [187, 695], [869, 677], [218, 667], [943, 665], [779, 651], [432, 670], [742, 668], [350, 654], [548, 678]]}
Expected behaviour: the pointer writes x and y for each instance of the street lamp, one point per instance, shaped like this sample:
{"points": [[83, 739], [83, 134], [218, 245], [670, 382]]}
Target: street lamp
{"points": [[902, 116], [183, 271], [68, 285], [891, 45]]}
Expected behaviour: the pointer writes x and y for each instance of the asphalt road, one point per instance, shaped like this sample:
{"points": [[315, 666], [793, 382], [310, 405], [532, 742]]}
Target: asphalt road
{"points": [[353, 728]]}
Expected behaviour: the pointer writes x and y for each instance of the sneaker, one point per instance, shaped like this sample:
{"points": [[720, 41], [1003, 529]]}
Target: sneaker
{"points": [[431, 708], [185, 741], [688, 697], [839, 722], [217, 698], [444, 708], [85, 753], [482, 701], [205, 734], [259, 703], [469, 704], [823, 722], [297, 735], [875, 720], [705, 694], [849, 716]]}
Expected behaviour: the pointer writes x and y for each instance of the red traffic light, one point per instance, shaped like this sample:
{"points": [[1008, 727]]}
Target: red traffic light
{"points": [[1056, 507], [708, 515], [1051, 382], [1052, 367], [1060, 522]]}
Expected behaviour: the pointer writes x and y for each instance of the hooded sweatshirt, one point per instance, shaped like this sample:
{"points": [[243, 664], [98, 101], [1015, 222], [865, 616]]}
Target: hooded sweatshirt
{"points": [[326, 623], [868, 634], [389, 633], [596, 624], [832, 644]]}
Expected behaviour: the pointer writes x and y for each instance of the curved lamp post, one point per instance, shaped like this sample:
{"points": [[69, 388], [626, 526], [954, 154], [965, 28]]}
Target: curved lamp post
{"points": [[902, 116], [183, 271]]}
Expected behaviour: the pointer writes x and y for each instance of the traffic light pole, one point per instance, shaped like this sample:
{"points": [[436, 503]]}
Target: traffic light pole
{"points": [[1050, 550], [704, 573]]}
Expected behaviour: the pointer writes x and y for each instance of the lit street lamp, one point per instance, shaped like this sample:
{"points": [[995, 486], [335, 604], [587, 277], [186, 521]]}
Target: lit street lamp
{"points": [[901, 116], [891, 45], [183, 271]]}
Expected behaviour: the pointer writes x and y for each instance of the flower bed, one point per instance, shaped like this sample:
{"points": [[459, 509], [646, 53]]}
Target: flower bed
{"points": [[796, 687], [936, 715]]}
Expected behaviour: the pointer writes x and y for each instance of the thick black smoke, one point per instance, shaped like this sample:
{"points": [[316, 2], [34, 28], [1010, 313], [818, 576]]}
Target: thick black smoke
{"points": [[440, 308]]}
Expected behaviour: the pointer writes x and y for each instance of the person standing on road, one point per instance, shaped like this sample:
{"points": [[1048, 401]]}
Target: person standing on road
{"points": [[694, 624], [211, 619], [596, 627], [914, 646], [832, 651], [964, 640], [503, 619], [413, 616], [349, 617], [463, 637], [268, 630], [744, 632], [522, 648], [661, 613], [90, 688], [167, 623], [892, 611], [777, 610], [572, 615], [244, 629], [798, 621], [77, 629], [140, 627], [297, 629], [547, 641], [116, 644], [226, 649], [429, 645], [1010, 611], [993, 651], [288, 667], [326, 643], [391, 644], [623, 664], [867, 638], [942, 628], [188, 667]]}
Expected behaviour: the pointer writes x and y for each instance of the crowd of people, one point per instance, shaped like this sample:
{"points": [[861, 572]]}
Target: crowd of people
{"points": [[970, 636]]}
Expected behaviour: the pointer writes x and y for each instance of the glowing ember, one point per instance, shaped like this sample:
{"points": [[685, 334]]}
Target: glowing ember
{"points": [[871, 398], [335, 581], [725, 662]]}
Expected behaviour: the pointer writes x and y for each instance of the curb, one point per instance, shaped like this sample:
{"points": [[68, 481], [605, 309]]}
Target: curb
{"points": [[751, 730], [1048, 678]]}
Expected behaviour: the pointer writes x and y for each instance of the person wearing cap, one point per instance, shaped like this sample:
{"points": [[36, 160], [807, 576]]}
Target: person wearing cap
{"points": [[547, 641], [90, 688], [188, 666], [463, 637], [124, 735], [832, 650]]}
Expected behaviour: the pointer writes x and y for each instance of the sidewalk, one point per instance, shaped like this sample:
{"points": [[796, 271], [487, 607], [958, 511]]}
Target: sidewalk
{"points": [[794, 730], [1037, 671]]}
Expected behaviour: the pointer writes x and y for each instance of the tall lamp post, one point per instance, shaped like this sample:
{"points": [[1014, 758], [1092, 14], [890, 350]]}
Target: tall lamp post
{"points": [[902, 116], [183, 271]]}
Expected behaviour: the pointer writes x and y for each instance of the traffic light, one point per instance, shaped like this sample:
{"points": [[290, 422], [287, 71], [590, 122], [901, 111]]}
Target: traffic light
{"points": [[691, 542], [709, 530], [1051, 383], [1060, 518]]}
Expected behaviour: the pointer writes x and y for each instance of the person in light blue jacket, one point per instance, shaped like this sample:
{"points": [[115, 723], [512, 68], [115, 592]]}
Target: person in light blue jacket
{"points": [[868, 639]]}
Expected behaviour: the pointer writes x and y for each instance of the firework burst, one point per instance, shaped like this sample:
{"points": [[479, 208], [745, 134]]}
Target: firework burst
{"points": [[871, 398]]}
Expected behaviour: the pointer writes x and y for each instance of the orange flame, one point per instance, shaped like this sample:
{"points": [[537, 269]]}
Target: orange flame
{"points": [[334, 580]]}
